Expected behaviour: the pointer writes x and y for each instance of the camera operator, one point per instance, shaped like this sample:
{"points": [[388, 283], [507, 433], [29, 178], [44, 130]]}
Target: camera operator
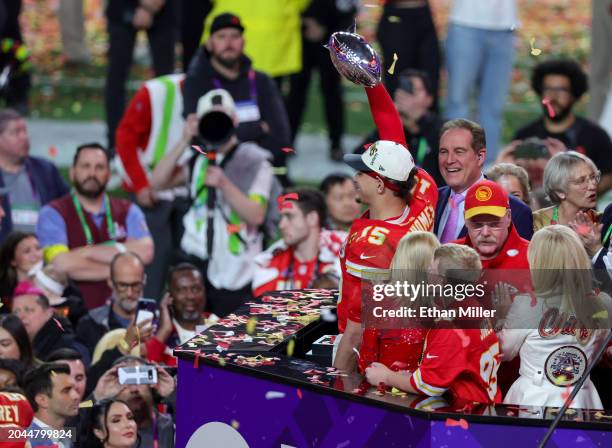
{"points": [[230, 188]]}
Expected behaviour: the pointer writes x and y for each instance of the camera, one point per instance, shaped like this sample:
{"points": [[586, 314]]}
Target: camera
{"points": [[531, 148], [215, 128]]}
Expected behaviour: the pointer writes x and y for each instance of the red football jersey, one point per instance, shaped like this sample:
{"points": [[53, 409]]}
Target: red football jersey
{"points": [[371, 244], [15, 413], [461, 362]]}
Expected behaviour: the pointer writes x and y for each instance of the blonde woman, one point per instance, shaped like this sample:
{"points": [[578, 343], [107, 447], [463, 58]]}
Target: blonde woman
{"points": [[557, 331], [570, 181], [400, 349]]}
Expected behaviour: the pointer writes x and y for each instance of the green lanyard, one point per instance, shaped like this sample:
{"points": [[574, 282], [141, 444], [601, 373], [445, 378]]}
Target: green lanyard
{"points": [[606, 236], [109, 219], [421, 151], [555, 216]]}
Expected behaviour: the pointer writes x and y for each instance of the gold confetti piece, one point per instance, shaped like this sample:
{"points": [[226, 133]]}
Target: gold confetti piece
{"points": [[235, 424], [601, 314], [124, 345], [392, 68], [222, 362], [53, 373], [250, 326], [394, 19], [76, 107], [534, 51], [86, 404], [290, 347]]}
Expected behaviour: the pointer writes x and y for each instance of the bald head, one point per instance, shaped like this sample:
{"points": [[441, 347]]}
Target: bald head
{"points": [[126, 261]]}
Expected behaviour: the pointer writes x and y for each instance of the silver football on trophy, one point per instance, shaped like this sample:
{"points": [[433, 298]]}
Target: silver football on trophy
{"points": [[354, 58]]}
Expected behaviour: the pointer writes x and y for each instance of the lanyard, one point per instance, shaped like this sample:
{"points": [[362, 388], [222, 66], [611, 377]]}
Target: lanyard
{"points": [[421, 151], [109, 219], [252, 85], [555, 216]]}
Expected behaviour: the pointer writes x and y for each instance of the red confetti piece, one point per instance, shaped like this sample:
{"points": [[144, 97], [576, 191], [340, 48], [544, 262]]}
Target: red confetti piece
{"points": [[233, 228], [288, 150], [196, 360], [549, 108], [57, 322], [52, 152], [461, 423], [198, 149], [566, 394], [534, 299], [367, 146], [299, 393]]}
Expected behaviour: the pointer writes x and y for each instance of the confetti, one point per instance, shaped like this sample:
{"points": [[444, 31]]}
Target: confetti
{"points": [[601, 314], [233, 228], [198, 149], [534, 51], [461, 423], [76, 107], [357, 352], [394, 19], [53, 373], [59, 325], [566, 394], [549, 108], [222, 362], [52, 151], [391, 70], [250, 326], [299, 393], [398, 393], [272, 394], [235, 424], [288, 150], [290, 347], [196, 360], [534, 299], [86, 404]]}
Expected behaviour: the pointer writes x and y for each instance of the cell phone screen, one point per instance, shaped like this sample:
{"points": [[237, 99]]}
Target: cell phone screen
{"points": [[147, 309], [137, 375]]}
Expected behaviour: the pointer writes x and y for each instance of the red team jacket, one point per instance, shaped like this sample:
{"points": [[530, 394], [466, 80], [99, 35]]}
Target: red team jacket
{"points": [[462, 363]]}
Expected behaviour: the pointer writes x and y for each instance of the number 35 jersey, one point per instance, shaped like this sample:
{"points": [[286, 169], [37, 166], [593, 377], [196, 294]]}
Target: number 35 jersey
{"points": [[370, 246]]}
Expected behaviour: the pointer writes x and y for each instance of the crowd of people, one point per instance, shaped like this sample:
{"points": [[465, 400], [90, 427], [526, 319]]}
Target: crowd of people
{"points": [[92, 282]]}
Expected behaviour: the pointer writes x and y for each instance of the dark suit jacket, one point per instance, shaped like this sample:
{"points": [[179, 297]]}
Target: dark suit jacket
{"points": [[521, 214]]}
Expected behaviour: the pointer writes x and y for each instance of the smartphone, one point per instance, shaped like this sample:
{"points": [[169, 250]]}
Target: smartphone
{"points": [[147, 309], [532, 148], [137, 375]]}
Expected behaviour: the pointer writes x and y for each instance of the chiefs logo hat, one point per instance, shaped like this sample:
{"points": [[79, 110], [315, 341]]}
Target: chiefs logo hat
{"points": [[386, 158], [486, 198]]}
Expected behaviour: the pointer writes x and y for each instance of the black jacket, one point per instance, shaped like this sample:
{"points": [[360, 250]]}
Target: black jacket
{"points": [[200, 79], [96, 324], [55, 334], [522, 218]]}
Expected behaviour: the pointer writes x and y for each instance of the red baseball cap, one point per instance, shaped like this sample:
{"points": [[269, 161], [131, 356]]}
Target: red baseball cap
{"points": [[486, 198]]}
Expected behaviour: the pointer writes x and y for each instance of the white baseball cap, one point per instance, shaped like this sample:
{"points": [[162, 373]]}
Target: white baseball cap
{"points": [[384, 157], [217, 100]]}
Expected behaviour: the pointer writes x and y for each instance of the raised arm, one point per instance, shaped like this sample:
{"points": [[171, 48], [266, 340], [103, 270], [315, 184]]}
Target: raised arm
{"points": [[385, 115]]}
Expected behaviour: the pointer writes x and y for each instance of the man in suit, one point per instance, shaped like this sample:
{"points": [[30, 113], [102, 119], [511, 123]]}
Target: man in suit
{"points": [[461, 156]]}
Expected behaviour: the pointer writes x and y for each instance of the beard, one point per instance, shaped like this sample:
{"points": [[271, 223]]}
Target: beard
{"points": [[190, 316], [229, 62], [90, 193], [127, 305], [559, 116]]}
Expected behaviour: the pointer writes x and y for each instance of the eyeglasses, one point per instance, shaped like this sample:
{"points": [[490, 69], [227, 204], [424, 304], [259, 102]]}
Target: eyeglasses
{"points": [[123, 287], [561, 90], [583, 182], [479, 225]]}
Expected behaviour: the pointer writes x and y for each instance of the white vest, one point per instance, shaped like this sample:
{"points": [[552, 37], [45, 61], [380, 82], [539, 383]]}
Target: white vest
{"points": [[167, 122]]}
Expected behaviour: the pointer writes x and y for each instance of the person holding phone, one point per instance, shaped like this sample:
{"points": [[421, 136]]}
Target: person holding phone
{"points": [[154, 428], [181, 313]]}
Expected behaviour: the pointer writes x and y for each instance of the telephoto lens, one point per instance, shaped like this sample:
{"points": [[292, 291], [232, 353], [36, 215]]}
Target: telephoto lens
{"points": [[215, 128]]}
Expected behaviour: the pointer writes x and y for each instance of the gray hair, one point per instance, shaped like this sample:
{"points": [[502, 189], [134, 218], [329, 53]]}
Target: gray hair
{"points": [[479, 140], [557, 173], [510, 169]]}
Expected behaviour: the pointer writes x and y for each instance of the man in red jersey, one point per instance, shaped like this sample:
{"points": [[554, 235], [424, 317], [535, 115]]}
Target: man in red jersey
{"points": [[401, 198], [462, 363]]}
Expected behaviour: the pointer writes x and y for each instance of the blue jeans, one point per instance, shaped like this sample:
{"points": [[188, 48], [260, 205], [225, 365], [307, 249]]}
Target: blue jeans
{"points": [[483, 59]]}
